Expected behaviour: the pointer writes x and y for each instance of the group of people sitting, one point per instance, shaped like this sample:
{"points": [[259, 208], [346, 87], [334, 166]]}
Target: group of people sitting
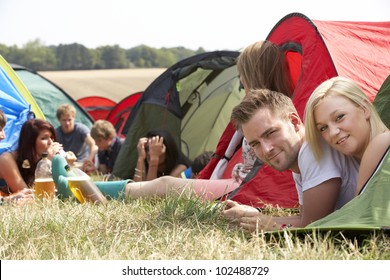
{"points": [[331, 153]]}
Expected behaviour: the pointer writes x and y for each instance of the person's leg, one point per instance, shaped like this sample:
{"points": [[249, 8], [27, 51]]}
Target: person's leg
{"points": [[208, 189]]}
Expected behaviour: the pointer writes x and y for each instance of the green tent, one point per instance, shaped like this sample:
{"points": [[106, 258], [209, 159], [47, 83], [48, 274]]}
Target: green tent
{"points": [[192, 99], [382, 101], [370, 210], [49, 96]]}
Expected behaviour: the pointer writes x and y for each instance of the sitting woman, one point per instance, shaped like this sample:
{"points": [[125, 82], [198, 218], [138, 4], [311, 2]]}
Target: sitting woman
{"points": [[26, 194], [18, 167], [159, 155]]}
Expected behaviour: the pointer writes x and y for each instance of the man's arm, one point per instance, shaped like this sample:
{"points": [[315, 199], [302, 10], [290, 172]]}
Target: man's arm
{"points": [[93, 149]]}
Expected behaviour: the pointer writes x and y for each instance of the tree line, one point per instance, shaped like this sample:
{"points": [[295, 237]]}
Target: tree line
{"points": [[36, 56]]}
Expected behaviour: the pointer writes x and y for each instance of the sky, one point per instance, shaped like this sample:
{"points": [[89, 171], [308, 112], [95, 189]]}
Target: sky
{"points": [[210, 24]]}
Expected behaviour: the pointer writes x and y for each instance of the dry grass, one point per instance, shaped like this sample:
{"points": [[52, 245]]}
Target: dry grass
{"points": [[114, 84], [159, 229]]}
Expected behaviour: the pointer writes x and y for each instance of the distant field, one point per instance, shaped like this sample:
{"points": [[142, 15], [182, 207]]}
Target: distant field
{"points": [[114, 84]]}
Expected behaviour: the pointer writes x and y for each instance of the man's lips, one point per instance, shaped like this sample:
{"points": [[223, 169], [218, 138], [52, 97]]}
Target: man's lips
{"points": [[273, 156]]}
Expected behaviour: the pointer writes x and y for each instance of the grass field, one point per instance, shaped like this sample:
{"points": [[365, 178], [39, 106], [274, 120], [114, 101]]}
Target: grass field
{"points": [[154, 229], [174, 228], [114, 84]]}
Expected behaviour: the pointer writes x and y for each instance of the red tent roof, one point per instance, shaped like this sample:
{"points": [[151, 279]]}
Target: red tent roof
{"points": [[121, 112], [98, 107]]}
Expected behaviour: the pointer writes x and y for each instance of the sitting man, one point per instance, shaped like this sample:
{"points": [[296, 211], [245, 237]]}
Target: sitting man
{"points": [[109, 144], [75, 137]]}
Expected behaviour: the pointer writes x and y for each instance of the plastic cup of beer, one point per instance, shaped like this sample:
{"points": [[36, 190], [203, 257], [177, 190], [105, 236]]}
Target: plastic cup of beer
{"points": [[85, 190], [45, 188], [76, 186]]}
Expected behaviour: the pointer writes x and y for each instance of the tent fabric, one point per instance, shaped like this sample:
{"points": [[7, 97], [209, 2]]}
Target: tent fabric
{"points": [[369, 210], [231, 150], [16, 103], [97, 107], [382, 101], [49, 96], [192, 99], [356, 50], [316, 51], [121, 112]]}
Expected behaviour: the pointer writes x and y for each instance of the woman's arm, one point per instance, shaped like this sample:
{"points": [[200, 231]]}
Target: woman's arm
{"points": [[139, 172], [157, 150], [10, 173]]}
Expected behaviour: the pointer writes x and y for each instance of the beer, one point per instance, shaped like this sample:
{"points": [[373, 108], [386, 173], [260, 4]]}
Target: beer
{"points": [[85, 190], [44, 188], [76, 185]]}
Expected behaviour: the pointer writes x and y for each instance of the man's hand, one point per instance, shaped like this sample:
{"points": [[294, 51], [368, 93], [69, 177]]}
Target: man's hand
{"points": [[257, 222], [236, 211], [88, 167]]}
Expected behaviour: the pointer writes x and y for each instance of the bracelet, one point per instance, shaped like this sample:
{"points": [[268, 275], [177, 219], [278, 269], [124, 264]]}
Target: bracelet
{"points": [[137, 176], [137, 170], [285, 226]]}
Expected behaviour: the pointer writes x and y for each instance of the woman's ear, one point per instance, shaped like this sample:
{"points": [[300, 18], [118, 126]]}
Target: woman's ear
{"points": [[366, 110]]}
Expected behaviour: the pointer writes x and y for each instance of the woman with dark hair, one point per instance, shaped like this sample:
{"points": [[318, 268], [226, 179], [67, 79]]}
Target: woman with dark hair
{"points": [[18, 167], [159, 155]]}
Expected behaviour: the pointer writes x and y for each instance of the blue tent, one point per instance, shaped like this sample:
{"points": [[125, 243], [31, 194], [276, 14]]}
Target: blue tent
{"points": [[17, 104]]}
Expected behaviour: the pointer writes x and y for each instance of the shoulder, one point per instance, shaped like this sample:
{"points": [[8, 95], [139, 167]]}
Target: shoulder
{"points": [[331, 165], [7, 156], [81, 129], [118, 142], [375, 149], [7, 162], [379, 143], [372, 156]]}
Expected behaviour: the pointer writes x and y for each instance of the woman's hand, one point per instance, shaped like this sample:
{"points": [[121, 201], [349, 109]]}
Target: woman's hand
{"points": [[21, 197], [54, 149], [156, 146], [70, 157], [141, 148]]}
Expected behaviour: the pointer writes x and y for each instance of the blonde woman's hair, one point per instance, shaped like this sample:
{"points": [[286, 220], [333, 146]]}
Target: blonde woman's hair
{"points": [[344, 87], [65, 109], [102, 129]]}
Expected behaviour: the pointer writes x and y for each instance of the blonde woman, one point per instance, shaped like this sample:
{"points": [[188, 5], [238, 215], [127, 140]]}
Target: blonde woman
{"points": [[340, 113]]}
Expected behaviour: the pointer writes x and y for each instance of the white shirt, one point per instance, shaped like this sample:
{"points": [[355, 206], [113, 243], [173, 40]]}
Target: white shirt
{"points": [[333, 164]]}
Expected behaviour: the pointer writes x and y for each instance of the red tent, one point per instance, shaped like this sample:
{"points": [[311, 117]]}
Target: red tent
{"points": [[120, 113], [315, 51], [98, 107]]}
